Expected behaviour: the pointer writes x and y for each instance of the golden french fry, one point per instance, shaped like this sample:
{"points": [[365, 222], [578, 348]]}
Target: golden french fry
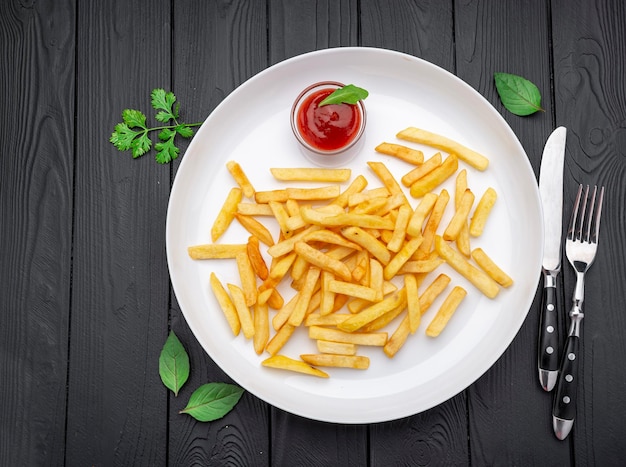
{"points": [[412, 302], [299, 268], [353, 290], [314, 194], [317, 319], [418, 172], [328, 236], [256, 258], [430, 229], [261, 327], [283, 362], [459, 263], [460, 185], [362, 196], [311, 174], [282, 216], [449, 306], [370, 206], [436, 177], [435, 289], [385, 176], [372, 312], [423, 209], [358, 184], [264, 296], [280, 339], [276, 300], [448, 145], [358, 304], [322, 260], [399, 232], [247, 277], [377, 339], [398, 338], [254, 209], [299, 311], [226, 304], [255, 228], [286, 246], [264, 197], [376, 279], [215, 251], [483, 208], [327, 299], [358, 362], [459, 219], [226, 213], [419, 266], [243, 311], [491, 268], [412, 156], [394, 265], [337, 348], [369, 242], [241, 178]]}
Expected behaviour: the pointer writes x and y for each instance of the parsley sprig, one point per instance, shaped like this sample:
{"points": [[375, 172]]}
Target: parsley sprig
{"points": [[133, 133]]}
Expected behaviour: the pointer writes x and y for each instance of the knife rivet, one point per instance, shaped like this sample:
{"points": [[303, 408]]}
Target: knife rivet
{"points": [[569, 378], [549, 350], [566, 399], [571, 356], [550, 329], [550, 307]]}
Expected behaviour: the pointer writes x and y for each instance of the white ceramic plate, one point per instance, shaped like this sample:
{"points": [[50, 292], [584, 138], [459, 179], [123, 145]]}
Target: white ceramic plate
{"points": [[252, 127]]}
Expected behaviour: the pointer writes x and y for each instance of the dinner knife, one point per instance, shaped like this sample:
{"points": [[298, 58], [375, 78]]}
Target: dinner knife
{"points": [[551, 191]]}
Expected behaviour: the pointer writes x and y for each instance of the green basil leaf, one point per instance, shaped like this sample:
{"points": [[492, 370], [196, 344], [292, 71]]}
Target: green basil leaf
{"points": [[173, 364], [519, 96], [349, 94], [212, 401]]}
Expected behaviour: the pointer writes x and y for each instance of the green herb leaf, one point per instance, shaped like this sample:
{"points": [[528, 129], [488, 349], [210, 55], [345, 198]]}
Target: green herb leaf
{"points": [[212, 401], [518, 95], [164, 101], [349, 94], [173, 364], [134, 118], [133, 134]]}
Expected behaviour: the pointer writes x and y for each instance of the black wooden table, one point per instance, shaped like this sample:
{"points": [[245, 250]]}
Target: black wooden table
{"points": [[86, 300]]}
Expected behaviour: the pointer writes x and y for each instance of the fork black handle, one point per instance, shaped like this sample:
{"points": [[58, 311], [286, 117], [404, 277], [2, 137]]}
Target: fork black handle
{"points": [[547, 348], [564, 406]]}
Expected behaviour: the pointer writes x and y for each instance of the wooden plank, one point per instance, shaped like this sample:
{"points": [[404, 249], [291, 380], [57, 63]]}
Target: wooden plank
{"points": [[116, 403], [508, 400], [217, 48], [423, 29], [36, 175], [590, 99]]}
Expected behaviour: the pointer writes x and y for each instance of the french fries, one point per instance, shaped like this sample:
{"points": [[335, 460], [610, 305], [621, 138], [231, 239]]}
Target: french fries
{"points": [[355, 259], [434, 140], [311, 175]]}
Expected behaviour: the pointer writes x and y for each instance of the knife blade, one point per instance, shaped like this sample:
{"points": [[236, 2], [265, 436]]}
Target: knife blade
{"points": [[551, 192]]}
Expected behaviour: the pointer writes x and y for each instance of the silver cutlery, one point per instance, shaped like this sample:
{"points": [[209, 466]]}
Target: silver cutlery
{"points": [[580, 247], [551, 191]]}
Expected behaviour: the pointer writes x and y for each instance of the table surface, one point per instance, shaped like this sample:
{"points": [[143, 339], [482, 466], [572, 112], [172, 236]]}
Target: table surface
{"points": [[86, 297]]}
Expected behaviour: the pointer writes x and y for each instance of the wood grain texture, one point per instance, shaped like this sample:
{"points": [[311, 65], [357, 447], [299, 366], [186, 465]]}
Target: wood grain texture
{"points": [[590, 60], [117, 406], [36, 171], [508, 398], [216, 49]]}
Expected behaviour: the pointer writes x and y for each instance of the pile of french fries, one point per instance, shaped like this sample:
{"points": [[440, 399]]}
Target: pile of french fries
{"points": [[357, 260]]}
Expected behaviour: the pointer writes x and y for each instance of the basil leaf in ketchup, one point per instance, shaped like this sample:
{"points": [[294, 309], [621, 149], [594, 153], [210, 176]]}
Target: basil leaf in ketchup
{"points": [[349, 94]]}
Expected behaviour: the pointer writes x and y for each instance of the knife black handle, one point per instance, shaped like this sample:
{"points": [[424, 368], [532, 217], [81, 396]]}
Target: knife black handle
{"points": [[548, 356], [564, 405]]}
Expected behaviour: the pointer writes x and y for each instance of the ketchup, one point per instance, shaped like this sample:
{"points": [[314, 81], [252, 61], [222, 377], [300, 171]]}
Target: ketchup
{"points": [[329, 127]]}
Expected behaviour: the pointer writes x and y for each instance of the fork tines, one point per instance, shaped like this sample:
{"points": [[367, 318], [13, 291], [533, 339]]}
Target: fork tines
{"points": [[586, 228]]}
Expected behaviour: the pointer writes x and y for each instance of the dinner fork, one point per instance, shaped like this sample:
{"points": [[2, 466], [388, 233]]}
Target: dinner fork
{"points": [[580, 247]]}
